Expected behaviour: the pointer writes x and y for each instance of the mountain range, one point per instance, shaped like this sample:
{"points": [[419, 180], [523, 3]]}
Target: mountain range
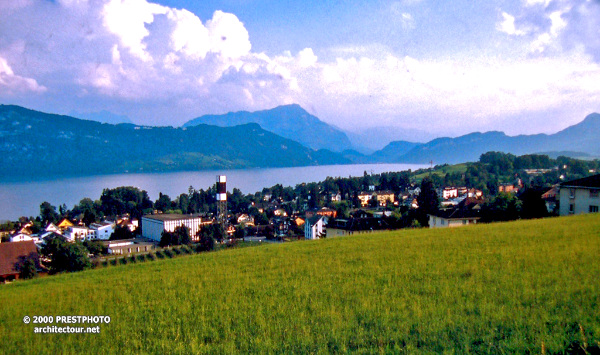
{"points": [[582, 139], [40, 144]]}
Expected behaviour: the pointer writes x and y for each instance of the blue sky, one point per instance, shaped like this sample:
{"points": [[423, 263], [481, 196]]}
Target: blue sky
{"points": [[519, 66]]}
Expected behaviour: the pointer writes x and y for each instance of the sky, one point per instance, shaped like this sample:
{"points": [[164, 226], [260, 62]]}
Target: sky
{"points": [[445, 67]]}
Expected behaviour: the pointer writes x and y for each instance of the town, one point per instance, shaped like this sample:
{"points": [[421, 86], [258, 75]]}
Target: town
{"points": [[125, 225]]}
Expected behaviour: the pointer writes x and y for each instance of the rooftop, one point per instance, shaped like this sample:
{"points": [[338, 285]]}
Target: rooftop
{"points": [[10, 254], [171, 217], [590, 181]]}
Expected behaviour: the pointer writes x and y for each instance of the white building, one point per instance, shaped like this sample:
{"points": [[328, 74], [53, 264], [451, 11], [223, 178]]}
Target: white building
{"points": [[154, 225], [101, 231], [74, 233], [21, 237], [314, 227], [579, 196], [452, 218]]}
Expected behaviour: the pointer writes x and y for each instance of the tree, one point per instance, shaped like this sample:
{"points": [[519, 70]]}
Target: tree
{"points": [[180, 236], [28, 266], [533, 206], [95, 247], [66, 256], [121, 232], [48, 213], [163, 203], [427, 200], [206, 242], [504, 207]]}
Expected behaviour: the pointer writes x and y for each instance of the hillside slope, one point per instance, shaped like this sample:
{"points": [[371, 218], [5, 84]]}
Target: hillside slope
{"points": [[516, 287], [36, 143], [289, 121]]}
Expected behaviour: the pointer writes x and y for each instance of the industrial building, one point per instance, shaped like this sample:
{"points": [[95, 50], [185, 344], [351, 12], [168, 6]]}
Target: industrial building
{"points": [[154, 225]]}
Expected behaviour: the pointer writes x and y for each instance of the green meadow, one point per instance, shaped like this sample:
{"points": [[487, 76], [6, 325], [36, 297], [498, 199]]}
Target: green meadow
{"points": [[505, 288]]}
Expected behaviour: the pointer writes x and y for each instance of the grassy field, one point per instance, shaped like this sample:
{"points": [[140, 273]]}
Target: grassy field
{"points": [[521, 287]]}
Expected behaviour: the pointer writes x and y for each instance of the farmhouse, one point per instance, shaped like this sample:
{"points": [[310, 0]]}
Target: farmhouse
{"points": [[579, 196], [154, 225]]}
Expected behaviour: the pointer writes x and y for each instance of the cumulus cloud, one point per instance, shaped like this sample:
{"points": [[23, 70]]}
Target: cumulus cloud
{"points": [[162, 65], [11, 83], [553, 26]]}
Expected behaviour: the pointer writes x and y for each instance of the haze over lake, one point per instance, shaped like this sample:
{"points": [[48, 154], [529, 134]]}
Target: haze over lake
{"points": [[24, 198]]}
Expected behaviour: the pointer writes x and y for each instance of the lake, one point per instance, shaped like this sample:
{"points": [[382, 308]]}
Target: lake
{"points": [[24, 198]]}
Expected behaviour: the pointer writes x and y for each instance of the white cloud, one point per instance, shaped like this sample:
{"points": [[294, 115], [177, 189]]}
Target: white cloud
{"points": [[11, 83], [228, 36], [307, 58], [127, 19], [508, 25], [163, 66], [553, 27]]}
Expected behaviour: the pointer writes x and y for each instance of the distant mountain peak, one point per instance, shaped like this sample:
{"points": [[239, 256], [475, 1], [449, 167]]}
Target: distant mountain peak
{"points": [[289, 121]]}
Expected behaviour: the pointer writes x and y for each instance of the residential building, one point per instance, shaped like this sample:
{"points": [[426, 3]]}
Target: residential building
{"points": [[21, 237], [245, 219], [550, 197], [579, 196], [154, 225], [383, 197], [64, 224], [337, 197], [314, 227], [364, 198], [342, 227], [101, 231], [508, 188], [128, 246], [452, 218], [325, 212], [449, 192], [74, 233]]}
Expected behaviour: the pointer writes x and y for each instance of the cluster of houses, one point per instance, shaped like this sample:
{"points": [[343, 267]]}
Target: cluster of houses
{"points": [[461, 206], [24, 243]]}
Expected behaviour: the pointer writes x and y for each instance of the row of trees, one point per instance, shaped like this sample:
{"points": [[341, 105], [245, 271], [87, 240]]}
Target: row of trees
{"points": [[207, 237]]}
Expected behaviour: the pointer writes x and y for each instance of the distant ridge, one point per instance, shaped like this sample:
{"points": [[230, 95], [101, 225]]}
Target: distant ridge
{"points": [[582, 139], [40, 144], [289, 121]]}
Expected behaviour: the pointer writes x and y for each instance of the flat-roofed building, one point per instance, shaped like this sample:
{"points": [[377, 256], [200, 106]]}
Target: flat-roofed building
{"points": [[579, 196], [153, 225]]}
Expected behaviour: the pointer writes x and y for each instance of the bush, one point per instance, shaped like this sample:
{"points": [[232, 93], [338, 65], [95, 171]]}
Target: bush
{"points": [[123, 261], [151, 256], [132, 259], [168, 253], [176, 251], [160, 254], [141, 258], [113, 261]]}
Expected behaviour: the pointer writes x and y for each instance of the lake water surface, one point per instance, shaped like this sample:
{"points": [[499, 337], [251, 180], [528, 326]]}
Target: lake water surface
{"points": [[24, 198]]}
